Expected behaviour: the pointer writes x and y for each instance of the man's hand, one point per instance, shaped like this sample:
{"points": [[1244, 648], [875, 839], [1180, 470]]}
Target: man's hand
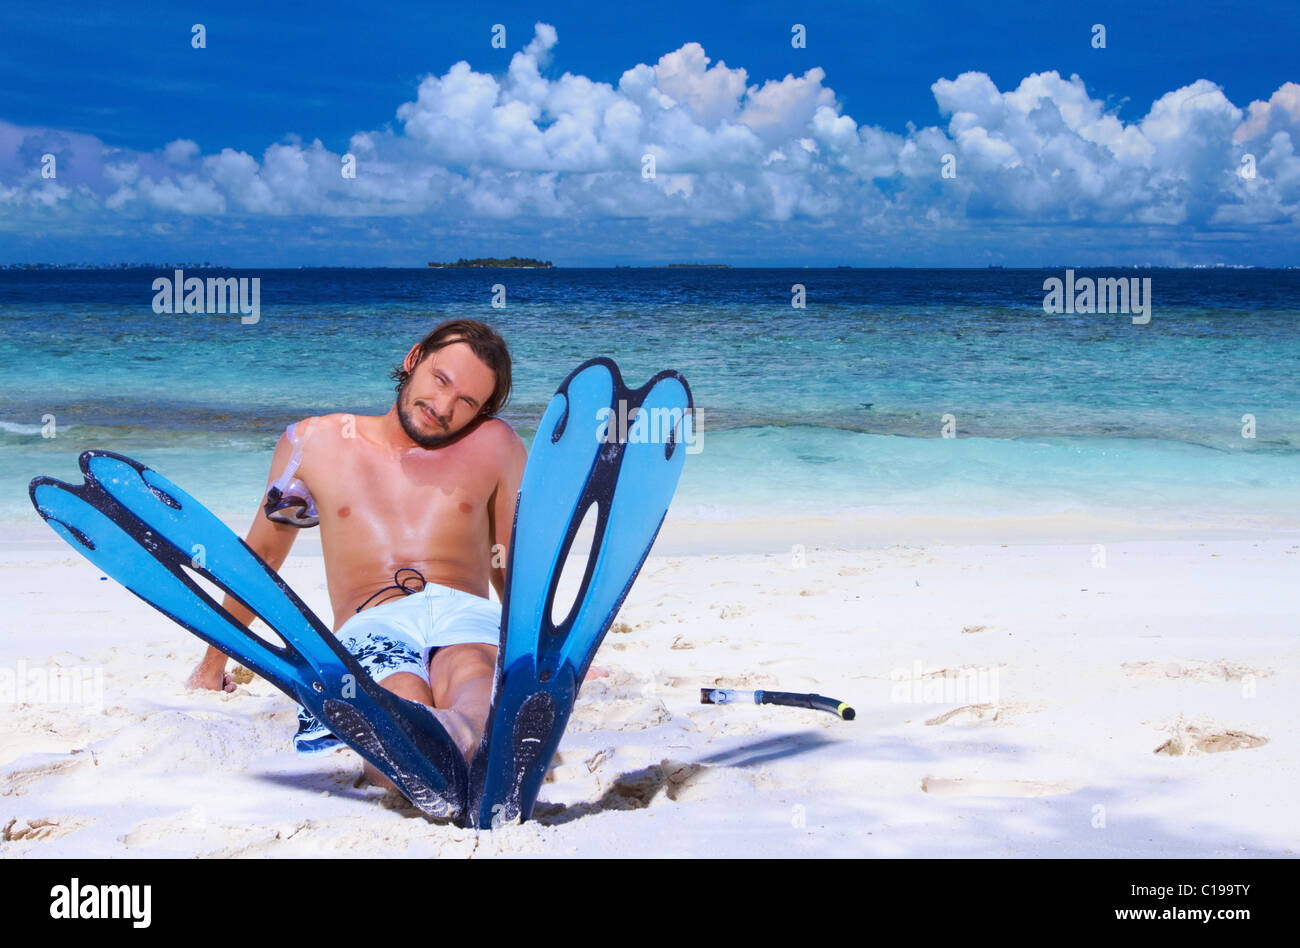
{"points": [[210, 673]]}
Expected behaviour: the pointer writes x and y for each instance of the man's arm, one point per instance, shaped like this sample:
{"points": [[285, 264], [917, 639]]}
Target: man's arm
{"points": [[269, 540], [501, 507]]}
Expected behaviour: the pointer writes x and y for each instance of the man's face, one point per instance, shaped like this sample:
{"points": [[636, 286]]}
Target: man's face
{"points": [[443, 394]]}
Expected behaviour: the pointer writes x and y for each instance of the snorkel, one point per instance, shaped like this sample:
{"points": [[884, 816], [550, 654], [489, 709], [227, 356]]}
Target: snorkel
{"points": [[287, 500]]}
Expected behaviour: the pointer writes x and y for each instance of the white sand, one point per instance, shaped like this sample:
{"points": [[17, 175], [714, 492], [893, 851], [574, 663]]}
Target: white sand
{"points": [[1074, 675]]}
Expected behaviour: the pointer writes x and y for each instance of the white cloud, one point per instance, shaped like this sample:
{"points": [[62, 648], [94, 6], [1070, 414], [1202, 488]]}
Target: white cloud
{"points": [[189, 195], [180, 152], [712, 94], [1281, 113]]}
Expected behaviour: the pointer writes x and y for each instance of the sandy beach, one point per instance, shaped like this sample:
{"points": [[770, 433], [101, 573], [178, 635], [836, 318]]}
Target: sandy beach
{"points": [[1062, 699]]}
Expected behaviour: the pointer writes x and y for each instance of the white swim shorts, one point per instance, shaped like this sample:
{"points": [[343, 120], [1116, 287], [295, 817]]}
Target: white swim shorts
{"points": [[401, 636]]}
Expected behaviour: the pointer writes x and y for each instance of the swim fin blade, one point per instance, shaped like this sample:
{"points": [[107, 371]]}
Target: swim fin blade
{"points": [[584, 456], [147, 533]]}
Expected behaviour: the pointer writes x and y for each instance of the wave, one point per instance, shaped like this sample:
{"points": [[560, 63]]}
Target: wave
{"points": [[19, 428]]}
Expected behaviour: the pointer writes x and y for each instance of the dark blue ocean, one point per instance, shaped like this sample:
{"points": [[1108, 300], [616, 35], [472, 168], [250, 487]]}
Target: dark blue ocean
{"points": [[834, 409]]}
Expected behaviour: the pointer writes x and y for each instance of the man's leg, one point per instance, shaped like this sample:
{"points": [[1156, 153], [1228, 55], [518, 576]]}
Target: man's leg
{"points": [[404, 685], [456, 684], [462, 677], [412, 687]]}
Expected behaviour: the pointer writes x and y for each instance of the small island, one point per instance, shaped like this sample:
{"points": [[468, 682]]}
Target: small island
{"points": [[512, 263]]}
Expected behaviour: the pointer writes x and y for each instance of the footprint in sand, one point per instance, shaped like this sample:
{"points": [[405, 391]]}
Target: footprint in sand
{"points": [[190, 833], [36, 828], [1194, 739], [964, 787], [18, 780], [743, 680], [598, 759], [1220, 669], [968, 714], [636, 790], [588, 764], [969, 671], [635, 714]]}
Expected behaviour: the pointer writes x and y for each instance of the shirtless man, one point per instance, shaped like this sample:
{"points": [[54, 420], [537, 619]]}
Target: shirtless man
{"points": [[430, 486]]}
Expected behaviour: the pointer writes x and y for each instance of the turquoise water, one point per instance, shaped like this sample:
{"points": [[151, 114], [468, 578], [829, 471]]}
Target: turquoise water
{"points": [[802, 411]]}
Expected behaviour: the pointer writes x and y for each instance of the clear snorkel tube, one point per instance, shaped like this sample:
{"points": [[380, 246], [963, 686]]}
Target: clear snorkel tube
{"points": [[287, 500]]}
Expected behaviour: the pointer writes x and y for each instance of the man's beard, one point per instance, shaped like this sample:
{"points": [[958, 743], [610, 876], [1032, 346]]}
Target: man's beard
{"points": [[406, 415]]}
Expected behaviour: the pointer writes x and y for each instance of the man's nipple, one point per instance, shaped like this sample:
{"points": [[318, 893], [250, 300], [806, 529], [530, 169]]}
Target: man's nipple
{"points": [[465, 508], [345, 511]]}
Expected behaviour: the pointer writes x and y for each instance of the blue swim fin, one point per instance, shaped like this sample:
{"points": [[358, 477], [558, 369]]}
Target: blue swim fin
{"points": [[145, 532], [580, 458]]}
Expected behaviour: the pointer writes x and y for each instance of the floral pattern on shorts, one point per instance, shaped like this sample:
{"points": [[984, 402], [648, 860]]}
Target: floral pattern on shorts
{"points": [[380, 656]]}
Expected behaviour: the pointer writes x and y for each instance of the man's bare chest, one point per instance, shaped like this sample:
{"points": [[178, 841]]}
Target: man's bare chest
{"points": [[362, 478]]}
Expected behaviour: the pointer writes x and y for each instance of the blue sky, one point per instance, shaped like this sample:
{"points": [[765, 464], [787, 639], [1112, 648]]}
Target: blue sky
{"points": [[1130, 153]]}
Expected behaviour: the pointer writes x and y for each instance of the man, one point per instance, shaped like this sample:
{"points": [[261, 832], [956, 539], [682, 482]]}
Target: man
{"points": [[426, 490]]}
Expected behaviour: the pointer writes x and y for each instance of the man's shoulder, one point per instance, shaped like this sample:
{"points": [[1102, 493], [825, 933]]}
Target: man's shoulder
{"points": [[498, 432], [498, 429], [335, 424]]}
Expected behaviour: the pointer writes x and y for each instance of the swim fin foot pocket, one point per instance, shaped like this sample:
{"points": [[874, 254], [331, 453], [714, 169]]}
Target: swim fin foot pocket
{"points": [[599, 445]]}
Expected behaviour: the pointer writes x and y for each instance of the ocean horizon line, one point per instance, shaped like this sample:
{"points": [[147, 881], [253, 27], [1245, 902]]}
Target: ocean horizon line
{"points": [[87, 267]]}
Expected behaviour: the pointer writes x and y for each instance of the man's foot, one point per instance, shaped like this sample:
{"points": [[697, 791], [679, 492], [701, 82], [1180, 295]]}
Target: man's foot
{"points": [[461, 730]]}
